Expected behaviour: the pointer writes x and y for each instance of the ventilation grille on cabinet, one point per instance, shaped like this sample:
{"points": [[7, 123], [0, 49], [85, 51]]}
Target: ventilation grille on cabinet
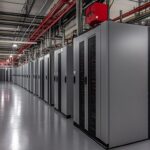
{"points": [[92, 85], [81, 85]]}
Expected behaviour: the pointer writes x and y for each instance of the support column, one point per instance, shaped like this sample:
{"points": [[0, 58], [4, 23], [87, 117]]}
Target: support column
{"points": [[108, 4], [79, 16]]}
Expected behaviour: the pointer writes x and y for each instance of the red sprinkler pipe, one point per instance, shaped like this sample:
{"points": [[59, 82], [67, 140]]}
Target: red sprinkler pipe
{"points": [[140, 8], [51, 19]]}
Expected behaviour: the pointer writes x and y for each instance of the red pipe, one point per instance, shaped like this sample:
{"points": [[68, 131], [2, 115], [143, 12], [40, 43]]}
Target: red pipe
{"points": [[140, 8], [49, 21]]}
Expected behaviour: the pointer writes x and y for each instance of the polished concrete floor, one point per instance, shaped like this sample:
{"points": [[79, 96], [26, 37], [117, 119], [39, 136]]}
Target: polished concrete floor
{"points": [[27, 123]]}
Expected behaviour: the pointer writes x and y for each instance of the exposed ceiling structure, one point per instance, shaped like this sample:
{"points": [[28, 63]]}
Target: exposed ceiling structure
{"points": [[15, 17], [19, 18]]}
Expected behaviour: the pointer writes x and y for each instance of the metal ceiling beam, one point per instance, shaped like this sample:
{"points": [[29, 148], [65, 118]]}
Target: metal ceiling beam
{"points": [[11, 35], [10, 51], [11, 14], [55, 14], [17, 22], [29, 6], [11, 31]]}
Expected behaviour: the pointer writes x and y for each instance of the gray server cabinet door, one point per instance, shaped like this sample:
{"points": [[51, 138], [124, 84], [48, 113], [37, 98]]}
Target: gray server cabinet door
{"points": [[76, 81], [51, 78], [70, 80], [56, 103], [28, 76], [38, 78], [64, 80], [31, 79], [42, 78], [34, 77], [23, 77], [46, 84], [128, 81]]}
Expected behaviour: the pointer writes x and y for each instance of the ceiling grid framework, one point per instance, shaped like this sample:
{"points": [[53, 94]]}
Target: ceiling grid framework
{"points": [[12, 18]]}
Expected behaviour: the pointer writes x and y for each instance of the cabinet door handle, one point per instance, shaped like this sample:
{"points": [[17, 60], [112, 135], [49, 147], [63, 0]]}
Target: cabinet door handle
{"points": [[74, 79], [65, 79]]}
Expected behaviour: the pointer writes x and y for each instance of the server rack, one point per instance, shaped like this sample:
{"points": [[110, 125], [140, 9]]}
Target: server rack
{"points": [[23, 69], [46, 78], [31, 78], [41, 77], [29, 75], [37, 77], [34, 78], [111, 84], [26, 76], [21, 75], [67, 80], [51, 84], [57, 79], [64, 80]]}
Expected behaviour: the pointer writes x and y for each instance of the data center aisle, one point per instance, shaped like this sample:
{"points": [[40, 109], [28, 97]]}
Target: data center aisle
{"points": [[27, 123]]}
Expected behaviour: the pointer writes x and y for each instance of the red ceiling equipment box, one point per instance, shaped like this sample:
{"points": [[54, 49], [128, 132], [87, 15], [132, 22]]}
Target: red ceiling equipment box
{"points": [[96, 13]]}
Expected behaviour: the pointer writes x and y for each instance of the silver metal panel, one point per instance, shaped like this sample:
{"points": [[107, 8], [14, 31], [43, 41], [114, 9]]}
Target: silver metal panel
{"points": [[38, 78], [67, 80], [102, 85], [31, 79], [34, 76], [76, 84], [63, 84], [128, 80], [46, 84], [86, 75], [23, 76], [51, 78], [28, 77], [70, 80], [56, 75]]}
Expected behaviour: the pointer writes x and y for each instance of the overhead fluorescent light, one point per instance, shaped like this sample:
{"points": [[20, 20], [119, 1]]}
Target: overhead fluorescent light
{"points": [[14, 45], [17, 42]]}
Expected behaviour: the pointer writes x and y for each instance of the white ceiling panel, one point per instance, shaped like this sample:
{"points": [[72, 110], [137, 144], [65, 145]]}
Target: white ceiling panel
{"points": [[11, 5]]}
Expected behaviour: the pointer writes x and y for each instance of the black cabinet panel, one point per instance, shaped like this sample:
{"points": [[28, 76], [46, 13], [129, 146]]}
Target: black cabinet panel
{"points": [[92, 85], [59, 81], [81, 85]]}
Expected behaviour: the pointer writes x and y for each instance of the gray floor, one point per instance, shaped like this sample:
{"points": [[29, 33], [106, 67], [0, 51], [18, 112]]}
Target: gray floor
{"points": [[27, 123]]}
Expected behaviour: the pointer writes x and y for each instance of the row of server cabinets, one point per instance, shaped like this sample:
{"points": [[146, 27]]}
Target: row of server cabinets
{"points": [[51, 78], [102, 82], [63, 81], [111, 83], [6, 74], [36, 77]]}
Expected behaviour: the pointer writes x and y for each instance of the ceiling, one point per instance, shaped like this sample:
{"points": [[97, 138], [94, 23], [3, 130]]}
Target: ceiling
{"points": [[14, 21]]}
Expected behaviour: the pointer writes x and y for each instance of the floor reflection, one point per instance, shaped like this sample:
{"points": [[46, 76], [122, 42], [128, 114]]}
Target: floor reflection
{"points": [[27, 123]]}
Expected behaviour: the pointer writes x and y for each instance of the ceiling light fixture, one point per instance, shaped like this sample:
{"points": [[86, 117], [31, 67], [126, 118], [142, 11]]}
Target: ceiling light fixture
{"points": [[17, 42], [14, 45]]}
